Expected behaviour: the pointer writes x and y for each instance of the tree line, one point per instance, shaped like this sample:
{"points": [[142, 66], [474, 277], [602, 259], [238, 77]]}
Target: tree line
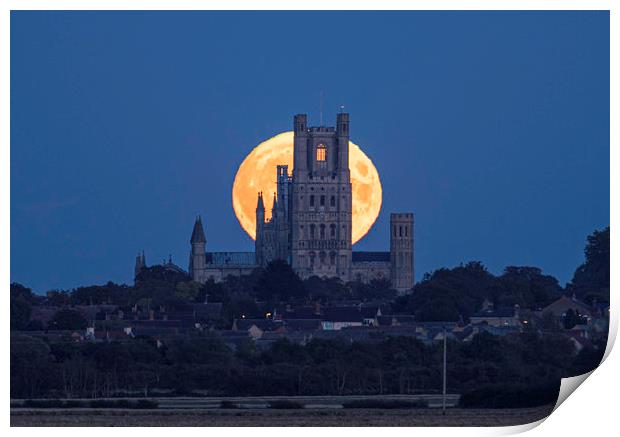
{"points": [[204, 364]]}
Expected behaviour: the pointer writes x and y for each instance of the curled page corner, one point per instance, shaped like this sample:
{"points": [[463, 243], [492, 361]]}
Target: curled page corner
{"points": [[568, 386]]}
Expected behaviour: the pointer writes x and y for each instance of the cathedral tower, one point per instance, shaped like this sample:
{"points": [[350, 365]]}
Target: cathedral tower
{"points": [[401, 250], [320, 199]]}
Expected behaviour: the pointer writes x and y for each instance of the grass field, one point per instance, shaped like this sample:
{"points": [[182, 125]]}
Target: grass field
{"points": [[273, 417]]}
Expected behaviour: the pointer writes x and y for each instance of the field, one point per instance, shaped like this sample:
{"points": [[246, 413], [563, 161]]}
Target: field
{"points": [[274, 417]]}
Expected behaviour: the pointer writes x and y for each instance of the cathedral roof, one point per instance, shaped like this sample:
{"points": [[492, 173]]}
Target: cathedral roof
{"points": [[198, 234], [223, 259], [370, 256]]}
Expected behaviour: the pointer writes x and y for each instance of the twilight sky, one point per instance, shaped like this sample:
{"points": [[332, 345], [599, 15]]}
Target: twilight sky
{"points": [[493, 128]]}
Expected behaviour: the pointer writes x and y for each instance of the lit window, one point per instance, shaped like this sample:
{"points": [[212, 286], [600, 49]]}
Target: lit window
{"points": [[321, 152]]}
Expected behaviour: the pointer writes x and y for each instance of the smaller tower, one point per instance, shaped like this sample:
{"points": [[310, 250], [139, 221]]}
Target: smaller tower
{"points": [[140, 264], [401, 251], [198, 255]]}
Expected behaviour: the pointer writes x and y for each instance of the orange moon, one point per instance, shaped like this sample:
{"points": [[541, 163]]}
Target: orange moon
{"points": [[257, 173]]}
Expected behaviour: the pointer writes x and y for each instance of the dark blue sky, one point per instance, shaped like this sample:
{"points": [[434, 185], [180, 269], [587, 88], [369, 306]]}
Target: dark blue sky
{"points": [[493, 128]]}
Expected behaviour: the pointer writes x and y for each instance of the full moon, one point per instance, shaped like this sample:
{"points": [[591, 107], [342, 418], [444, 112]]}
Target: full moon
{"points": [[257, 173]]}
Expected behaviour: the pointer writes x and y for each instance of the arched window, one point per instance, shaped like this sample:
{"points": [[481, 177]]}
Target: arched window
{"points": [[332, 201], [312, 228], [322, 232], [332, 258], [321, 152], [322, 256], [332, 231]]}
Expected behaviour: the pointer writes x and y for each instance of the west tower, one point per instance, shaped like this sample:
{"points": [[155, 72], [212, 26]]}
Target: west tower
{"points": [[320, 199]]}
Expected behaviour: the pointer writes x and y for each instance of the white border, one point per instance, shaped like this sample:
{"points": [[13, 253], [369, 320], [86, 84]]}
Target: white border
{"points": [[592, 412]]}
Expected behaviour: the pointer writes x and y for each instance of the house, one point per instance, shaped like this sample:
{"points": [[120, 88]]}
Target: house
{"points": [[256, 327], [370, 315], [560, 307], [336, 318], [508, 316], [302, 325], [467, 333]]}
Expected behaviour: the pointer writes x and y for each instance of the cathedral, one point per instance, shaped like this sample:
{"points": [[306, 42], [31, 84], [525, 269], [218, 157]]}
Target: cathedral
{"points": [[311, 221]]}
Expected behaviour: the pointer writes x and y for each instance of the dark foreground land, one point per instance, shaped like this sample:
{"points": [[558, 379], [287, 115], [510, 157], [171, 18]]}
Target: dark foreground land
{"points": [[273, 417]]}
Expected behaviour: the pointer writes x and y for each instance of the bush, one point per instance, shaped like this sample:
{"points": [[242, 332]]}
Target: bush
{"points": [[511, 396], [228, 405], [285, 405], [384, 404]]}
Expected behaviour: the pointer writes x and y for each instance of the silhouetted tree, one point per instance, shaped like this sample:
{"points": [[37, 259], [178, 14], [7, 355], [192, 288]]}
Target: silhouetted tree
{"points": [[591, 279], [279, 283]]}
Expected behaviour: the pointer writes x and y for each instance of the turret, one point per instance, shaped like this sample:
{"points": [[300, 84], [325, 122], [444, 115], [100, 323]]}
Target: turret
{"points": [[342, 134], [300, 131], [198, 256]]}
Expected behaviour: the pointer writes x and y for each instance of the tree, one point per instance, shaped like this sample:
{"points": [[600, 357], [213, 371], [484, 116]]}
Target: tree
{"points": [[325, 290], [527, 287], [58, 298], [279, 283], [591, 279], [68, 319], [21, 306], [190, 291], [448, 294], [30, 361], [109, 293], [375, 289]]}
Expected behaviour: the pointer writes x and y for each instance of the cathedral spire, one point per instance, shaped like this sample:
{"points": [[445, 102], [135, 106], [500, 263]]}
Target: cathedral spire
{"points": [[198, 234], [275, 202], [260, 205]]}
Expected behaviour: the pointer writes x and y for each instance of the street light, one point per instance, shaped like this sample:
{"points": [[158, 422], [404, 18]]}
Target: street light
{"points": [[444, 371]]}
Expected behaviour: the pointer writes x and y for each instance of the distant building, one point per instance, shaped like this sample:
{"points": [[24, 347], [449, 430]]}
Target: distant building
{"points": [[561, 306], [500, 317], [311, 221]]}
